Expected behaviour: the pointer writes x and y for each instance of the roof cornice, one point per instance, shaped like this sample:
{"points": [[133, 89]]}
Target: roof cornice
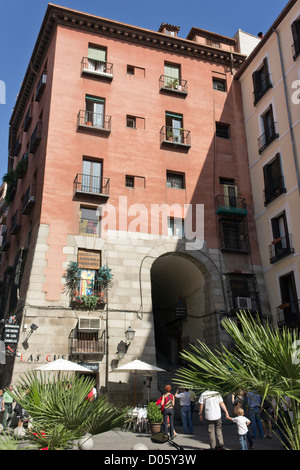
{"points": [[57, 15]]}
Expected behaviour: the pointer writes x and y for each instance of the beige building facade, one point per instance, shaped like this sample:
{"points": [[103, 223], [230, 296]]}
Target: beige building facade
{"points": [[270, 89]]}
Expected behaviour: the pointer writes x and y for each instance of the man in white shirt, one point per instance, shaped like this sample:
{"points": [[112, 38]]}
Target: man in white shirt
{"points": [[186, 410], [212, 403]]}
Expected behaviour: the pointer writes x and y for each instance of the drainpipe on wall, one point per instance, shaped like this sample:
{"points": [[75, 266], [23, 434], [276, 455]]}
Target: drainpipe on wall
{"points": [[288, 110]]}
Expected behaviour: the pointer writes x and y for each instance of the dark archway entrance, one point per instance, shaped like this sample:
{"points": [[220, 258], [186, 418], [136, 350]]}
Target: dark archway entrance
{"points": [[178, 300]]}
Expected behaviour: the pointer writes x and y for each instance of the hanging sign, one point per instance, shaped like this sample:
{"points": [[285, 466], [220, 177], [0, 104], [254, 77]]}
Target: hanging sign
{"points": [[88, 259]]}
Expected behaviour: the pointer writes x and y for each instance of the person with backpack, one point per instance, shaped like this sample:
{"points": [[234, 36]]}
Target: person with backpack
{"points": [[167, 404]]}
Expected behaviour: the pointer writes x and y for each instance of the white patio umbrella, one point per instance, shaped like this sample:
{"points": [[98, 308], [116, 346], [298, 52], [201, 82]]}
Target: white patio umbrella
{"points": [[137, 366], [61, 365]]}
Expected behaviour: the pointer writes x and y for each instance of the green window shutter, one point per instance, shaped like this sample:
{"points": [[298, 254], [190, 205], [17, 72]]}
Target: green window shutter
{"points": [[96, 53]]}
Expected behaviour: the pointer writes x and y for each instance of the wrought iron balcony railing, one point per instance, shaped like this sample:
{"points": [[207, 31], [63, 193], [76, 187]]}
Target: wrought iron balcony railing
{"points": [[288, 314], [274, 189], [83, 346], [261, 90], [231, 205], [233, 234], [267, 137], [95, 121], [97, 67], [35, 137], [16, 222], [86, 291], [280, 248], [175, 137], [29, 199], [171, 84], [296, 48], [41, 86], [92, 185]]}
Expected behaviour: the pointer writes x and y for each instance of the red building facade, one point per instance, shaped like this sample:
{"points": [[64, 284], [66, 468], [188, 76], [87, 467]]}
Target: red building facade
{"points": [[117, 120]]}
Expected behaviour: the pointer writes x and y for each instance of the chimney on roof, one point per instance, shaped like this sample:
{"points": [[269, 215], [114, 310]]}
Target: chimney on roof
{"points": [[169, 29], [260, 35]]}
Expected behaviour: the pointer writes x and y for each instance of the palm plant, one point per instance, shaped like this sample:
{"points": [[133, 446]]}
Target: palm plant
{"points": [[263, 359], [60, 412]]}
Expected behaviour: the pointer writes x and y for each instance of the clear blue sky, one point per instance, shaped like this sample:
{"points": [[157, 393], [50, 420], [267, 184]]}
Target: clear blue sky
{"points": [[20, 22]]}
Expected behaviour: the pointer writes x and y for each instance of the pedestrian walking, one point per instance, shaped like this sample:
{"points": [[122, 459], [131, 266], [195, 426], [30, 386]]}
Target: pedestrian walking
{"points": [[266, 411], [254, 405], [186, 411], [168, 403], [242, 423], [8, 407], [213, 403]]}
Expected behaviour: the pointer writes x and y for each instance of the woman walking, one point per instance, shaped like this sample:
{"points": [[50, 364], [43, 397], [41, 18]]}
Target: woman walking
{"points": [[167, 403]]}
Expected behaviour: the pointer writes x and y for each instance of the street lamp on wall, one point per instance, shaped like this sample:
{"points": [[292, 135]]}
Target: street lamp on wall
{"points": [[129, 334]]}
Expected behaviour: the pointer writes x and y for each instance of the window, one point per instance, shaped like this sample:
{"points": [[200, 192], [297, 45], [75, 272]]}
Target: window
{"points": [[131, 122], [94, 111], [269, 130], [135, 181], [274, 181], [129, 181], [282, 241], [219, 84], [175, 180], [222, 130], [137, 71], [261, 81], [172, 75], [97, 59], [233, 234], [289, 308], [213, 43], [88, 221], [91, 176], [296, 38], [175, 227], [242, 292], [174, 126]]}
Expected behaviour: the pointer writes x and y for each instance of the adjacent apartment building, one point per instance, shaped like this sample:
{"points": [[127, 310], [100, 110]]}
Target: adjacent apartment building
{"points": [[127, 155], [270, 87]]}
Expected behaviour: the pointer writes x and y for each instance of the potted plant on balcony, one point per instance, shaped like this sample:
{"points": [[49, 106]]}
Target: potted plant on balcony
{"points": [[169, 134], [104, 276], [155, 417]]}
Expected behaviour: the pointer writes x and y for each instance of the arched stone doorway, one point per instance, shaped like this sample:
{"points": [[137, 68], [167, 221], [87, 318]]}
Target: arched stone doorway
{"points": [[182, 303]]}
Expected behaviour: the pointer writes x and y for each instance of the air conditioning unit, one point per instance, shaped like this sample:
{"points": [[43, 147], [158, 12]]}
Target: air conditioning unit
{"points": [[244, 303], [89, 324]]}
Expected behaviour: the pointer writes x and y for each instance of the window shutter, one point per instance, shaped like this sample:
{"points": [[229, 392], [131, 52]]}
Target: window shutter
{"points": [[96, 53]]}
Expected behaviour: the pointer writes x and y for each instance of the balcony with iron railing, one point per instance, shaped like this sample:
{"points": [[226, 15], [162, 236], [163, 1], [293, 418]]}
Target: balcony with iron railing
{"points": [[16, 222], [296, 48], [264, 86], [35, 137], [173, 85], [41, 86], [274, 189], [85, 346], [91, 185], [171, 136], [231, 205], [88, 120], [5, 234], [280, 248], [18, 144], [267, 137], [97, 68], [28, 118], [29, 199], [288, 314]]}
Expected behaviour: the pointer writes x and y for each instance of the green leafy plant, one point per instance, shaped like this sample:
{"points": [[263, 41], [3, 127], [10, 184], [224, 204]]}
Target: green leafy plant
{"points": [[21, 168], [154, 413], [72, 276], [59, 410], [11, 179], [105, 277], [263, 359]]}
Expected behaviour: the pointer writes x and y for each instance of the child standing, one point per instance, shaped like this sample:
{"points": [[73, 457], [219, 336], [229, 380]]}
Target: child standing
{"points": [[242, 423]]}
